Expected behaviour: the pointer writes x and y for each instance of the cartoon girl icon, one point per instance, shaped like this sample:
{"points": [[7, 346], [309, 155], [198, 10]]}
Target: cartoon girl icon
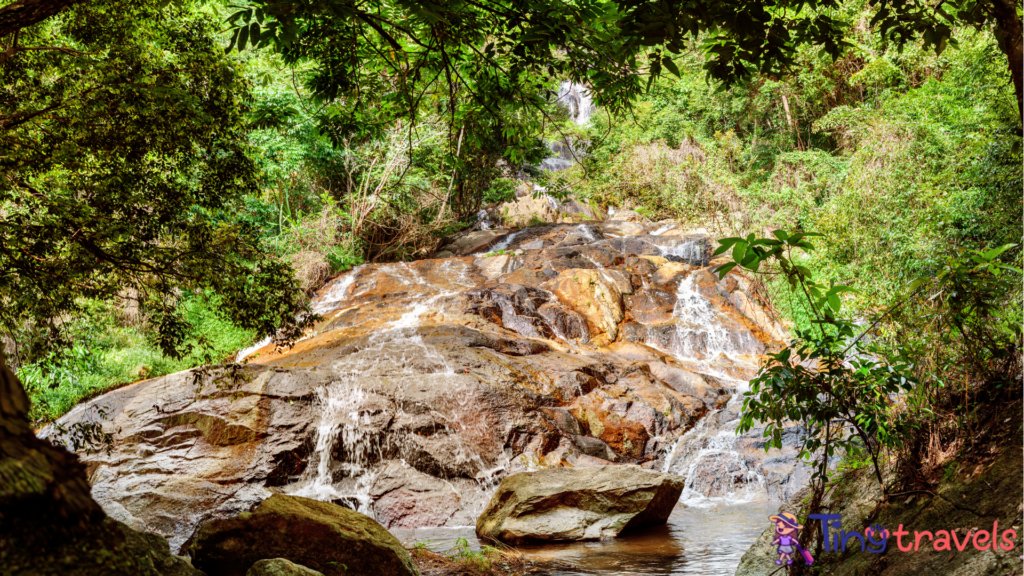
{"points": [[786, 528]]}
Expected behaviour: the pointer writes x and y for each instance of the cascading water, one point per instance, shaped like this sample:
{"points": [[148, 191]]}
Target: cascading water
{"points": [[707, 455], [336, 293], [577, 101], [690, 251], [348, 445], [504, 243], [700, 333]]}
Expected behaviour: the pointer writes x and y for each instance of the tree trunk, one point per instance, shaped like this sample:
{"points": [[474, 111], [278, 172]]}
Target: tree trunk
{"points": [[49, 523], [22, 13], [1008, 34]]}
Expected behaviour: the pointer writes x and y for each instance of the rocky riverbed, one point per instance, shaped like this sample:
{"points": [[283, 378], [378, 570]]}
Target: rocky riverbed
{"points": [[428, 382]]}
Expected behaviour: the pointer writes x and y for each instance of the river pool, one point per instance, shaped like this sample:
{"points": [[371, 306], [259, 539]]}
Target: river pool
{"points": [[696, 541]]}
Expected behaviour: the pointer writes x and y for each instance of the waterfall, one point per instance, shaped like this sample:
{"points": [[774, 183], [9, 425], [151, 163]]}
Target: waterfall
{"points": [[577, 100], [349, 443], [347, 411], [708, 455]]}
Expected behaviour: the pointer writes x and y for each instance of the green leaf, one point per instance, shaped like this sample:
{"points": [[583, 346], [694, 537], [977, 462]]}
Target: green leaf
{"points": [[833, 301], [739, 250], [995, 252], [724, 269], [671, 66], [234, 39], [243, 37], [725, 244]]}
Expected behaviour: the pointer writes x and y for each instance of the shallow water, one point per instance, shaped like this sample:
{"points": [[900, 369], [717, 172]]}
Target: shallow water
{"points": [[696, 541]]}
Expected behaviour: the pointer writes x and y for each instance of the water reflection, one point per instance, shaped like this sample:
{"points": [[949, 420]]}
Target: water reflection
{"points": [[696, 541]]}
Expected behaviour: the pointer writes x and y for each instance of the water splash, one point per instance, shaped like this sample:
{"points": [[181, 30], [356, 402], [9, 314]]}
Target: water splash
{"points": [[691, 251], [336, 293], [503, 244], [708, 455], [246, 352]]}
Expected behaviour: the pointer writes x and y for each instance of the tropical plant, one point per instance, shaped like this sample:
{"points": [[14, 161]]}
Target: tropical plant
{"points": [[124, 149], [826, 376]]}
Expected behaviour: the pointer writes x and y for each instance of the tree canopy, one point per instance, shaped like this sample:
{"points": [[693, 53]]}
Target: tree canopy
{"points": [[609, 45], [124, 148]]}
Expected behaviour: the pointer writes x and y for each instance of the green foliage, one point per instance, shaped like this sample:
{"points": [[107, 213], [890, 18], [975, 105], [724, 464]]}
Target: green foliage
{"points": [[826, 376], [501, 190], [481, 560], [830, 374], [111, 349], [124, 151]]}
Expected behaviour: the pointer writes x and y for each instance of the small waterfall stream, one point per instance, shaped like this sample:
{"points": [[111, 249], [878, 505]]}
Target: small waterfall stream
{"points": [[708, 455], [347, 446]]}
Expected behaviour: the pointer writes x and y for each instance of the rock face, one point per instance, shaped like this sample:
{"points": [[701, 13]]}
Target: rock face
{"points": [[565, 504], [49, 524], [319, 535], [429, 382]]}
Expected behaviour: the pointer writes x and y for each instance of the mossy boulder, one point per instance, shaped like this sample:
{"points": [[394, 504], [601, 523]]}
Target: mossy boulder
{"points": [[319, 535], [280, 567]]}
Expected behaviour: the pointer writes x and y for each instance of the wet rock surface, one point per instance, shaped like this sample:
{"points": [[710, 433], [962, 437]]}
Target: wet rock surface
{"points": [[568, 504], [328, 538], [428, 382]]}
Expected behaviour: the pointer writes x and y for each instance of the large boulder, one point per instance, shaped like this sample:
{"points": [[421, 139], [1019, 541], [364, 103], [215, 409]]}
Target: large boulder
{"points": [[529, 210], [280, 567], [565, 504], [427, 382], [319, 535]]}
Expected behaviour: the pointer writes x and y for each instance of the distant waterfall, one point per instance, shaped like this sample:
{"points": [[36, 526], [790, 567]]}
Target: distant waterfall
{"points": [[577, 101]]}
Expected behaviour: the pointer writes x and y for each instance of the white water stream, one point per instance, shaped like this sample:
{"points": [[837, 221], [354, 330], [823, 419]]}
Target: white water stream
{"points": [[351, 404], [709, 450]]}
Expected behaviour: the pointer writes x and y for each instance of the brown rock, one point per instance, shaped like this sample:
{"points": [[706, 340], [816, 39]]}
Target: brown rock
{"points": [[564, 504], [319, 535], [597, 299], [620, 228], [473, 242], [280, 567], [626, 437], [527, 210], [671, 273]]}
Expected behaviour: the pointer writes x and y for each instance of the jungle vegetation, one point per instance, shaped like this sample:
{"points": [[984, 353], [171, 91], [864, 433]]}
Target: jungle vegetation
{"points": [[177, 178]]}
